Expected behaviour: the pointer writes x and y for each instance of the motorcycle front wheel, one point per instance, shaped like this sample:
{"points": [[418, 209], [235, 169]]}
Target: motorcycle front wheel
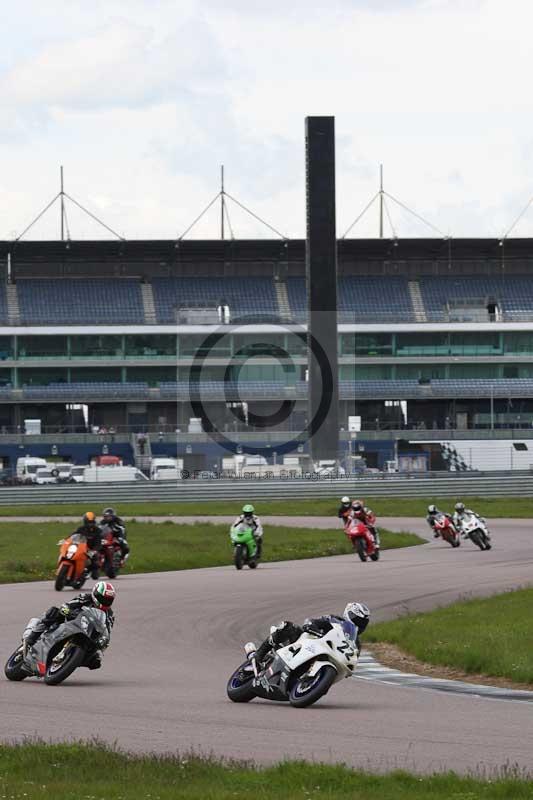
{"points": [[13, 669], [58, 671], [61, 578], [239, 688], [361, 549], [307, 690], [239, 556]]}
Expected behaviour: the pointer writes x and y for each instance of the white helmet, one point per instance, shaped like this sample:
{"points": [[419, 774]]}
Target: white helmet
{"points": [[357, 613], [345, 500]]}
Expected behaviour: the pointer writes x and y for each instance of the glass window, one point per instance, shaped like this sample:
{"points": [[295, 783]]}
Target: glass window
{"points": [[5, 377], [42, 377], [151, 346], [6, 347], [190, 346], [150, 375], [87, 346], [42, 346], [259, 344], [518, 342], [463, 371], [422, 344], [96, 375], [366, 344], [474, 344], [417, 371]]}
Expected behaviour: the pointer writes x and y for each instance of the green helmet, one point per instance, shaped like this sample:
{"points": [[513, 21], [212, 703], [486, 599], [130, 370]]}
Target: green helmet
{"points": [[248, 509]]}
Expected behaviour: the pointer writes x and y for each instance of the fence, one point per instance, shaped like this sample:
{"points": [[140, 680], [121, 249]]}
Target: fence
{"points": [[200, 491]]}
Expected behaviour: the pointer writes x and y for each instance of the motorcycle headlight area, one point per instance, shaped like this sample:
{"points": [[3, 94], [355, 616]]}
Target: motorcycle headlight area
{"points": [[72, 550], [84, 622]]}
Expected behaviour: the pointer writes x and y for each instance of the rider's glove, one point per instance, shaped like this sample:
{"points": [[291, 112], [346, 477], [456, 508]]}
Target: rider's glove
{"points": [[64, 610]]}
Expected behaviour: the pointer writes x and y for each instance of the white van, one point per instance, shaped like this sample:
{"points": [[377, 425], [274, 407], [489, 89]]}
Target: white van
{"points": [[27, 467], [113, 475], [77, 473], [165, 469], [45, 475]]}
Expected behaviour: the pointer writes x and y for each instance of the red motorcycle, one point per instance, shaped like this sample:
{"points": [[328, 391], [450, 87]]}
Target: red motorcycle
{"points": [[447, 530], [111, 560], [362, 540]]}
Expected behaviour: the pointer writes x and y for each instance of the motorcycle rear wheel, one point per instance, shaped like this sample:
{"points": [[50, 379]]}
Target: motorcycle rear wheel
{"points": [[109, 568], [13, 669], [57, 674], [239, 556], [301, 696], [361, 549], [61, 578], [239, 690]]}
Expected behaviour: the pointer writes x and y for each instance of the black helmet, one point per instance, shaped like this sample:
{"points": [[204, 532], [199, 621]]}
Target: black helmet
{"points": [[357, 613], [459, 507], [432, 509], [109, 513]]}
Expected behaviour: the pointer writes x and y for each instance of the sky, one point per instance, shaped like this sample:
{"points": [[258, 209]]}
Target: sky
{"points": [[142, 102]]}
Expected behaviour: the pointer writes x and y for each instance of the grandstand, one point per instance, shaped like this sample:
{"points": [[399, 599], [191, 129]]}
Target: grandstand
{"points": [[97, 325]]}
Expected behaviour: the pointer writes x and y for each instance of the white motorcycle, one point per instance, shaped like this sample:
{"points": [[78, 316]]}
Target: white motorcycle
{"points": [[473, 528], [300, 673]]}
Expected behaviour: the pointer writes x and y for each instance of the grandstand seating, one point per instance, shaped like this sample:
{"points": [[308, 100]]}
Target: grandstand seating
{"points": [[254, 296], [360, 298], [514, 295], [80, 300], [3, 305], [85, 391]]}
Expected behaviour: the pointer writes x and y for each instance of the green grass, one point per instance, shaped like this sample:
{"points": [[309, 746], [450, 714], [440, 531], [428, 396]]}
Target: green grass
{"points": [[28, 551], [91, 772], [491, 636], [518, 507]]}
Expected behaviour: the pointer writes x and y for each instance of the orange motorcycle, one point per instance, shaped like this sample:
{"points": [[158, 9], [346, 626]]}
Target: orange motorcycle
{"points": [[73, 562]]}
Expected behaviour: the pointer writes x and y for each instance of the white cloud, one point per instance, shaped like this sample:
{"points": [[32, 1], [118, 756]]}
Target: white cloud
{"points": [[143, 101]]}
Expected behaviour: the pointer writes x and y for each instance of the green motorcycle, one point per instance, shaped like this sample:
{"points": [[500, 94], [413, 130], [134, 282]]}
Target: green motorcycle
{"points": [[244, 547]]}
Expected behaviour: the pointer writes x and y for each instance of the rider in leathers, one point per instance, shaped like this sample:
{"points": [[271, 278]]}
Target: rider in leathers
{"points": [[288, 632], [248, 517], [366, 516], [93, 534], [118, 529], [101, 597], [433, 512], [345, 509], [460, 513]]}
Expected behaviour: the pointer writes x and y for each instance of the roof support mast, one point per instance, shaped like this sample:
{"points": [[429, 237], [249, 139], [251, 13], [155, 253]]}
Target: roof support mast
{"points": [[222, 202], [62, 197], [381, 201]]}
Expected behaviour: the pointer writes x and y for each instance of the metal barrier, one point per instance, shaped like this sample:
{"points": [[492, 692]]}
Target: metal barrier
{"points": [[194, 491]]}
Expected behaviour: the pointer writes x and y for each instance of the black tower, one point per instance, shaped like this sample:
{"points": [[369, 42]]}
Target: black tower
{"points": [[321, 278]]}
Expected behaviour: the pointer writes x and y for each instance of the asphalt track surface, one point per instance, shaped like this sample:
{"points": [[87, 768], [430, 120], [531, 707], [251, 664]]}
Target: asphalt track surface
{"points": [[179, 636]]}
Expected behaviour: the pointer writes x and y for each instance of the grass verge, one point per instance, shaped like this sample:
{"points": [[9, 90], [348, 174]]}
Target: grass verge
{"points": [[490, 637], [28, 550], [521, 507], [78, 771]]}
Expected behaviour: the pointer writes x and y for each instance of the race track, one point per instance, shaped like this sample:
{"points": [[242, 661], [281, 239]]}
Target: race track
{"points": [[179, 636]]}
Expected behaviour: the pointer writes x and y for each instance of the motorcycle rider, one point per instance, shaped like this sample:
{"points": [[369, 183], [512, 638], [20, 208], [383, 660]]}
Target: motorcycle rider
{"points": [[460, 513], [118, 529], [93, 534], [101, 597], [287, 632], [433, 512], [345, 508], [366, 515], [249, 518]]}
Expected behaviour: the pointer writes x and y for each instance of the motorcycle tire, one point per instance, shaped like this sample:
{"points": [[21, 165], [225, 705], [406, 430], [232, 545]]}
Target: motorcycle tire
{"points": [[375, 556], [74, 659], [109, 568], [239, 556], [252, 564], [239, 690], [303, 696], [13, 669], [477, 540], [361, 549], [61, 578], [456, 542]]}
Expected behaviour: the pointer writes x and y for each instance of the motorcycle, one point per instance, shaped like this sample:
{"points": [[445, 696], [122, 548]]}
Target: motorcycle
{"points": [[110, 558], [60, 650], [244, 547], [447, 530], [362, 540], [73, 562], [300, 673], [474, 529]]}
